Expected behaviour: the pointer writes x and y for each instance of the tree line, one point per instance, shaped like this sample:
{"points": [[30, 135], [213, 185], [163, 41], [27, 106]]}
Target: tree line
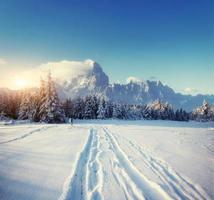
{"points": [[92, 107], [43, 105]]}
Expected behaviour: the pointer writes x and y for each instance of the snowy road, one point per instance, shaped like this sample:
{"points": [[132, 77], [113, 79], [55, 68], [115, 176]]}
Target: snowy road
{"points": [[100, 161]]}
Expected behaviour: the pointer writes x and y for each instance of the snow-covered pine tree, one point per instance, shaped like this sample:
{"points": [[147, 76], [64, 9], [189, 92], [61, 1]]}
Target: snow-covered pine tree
{"points": [[68, 107], [115, 111], [27, 108], [24, 107], [203, 113], [101, 112], [88, 111], [79, 108], [123, 111], [53, 112], [118, 111], [109, 109], [159, 110], [147, 112], [134, 112], [205, 108], [94, 106], [41, 101]]}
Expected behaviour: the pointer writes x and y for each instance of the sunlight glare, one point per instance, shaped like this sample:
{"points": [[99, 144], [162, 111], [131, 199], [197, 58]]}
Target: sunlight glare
{"points": [[21, 83]]}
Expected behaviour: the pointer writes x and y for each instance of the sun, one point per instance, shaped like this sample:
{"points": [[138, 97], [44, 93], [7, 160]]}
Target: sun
{"points": [[21, 83]]}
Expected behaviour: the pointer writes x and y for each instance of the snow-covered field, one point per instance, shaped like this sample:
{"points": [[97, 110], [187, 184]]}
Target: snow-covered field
{"points": [[112, 160]]}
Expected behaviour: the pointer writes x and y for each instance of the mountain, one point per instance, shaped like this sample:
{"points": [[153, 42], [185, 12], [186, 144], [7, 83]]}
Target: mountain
{"points": [[93, 81], [81, 78], [90, 79], [147, 91]]}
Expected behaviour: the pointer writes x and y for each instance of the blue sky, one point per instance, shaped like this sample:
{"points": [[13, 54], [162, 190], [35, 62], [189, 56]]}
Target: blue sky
{"points": [[170, 40]]}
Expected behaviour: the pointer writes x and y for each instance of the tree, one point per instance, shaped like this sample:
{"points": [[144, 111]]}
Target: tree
{"points": [[89, 106], [205, 108], [118, 111], [203, 113], [101, 112], [52, 111], [3, 116], [79, 108], [41, 100], [68, 107], [27, 108], [3, 103], [109, 109]]}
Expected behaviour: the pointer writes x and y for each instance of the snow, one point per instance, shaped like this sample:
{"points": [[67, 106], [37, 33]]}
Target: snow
{"points": [[107, 159], [37, 165]]}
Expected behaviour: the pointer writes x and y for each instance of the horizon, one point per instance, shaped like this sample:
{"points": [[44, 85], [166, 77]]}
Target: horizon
{"points": [[171, 41]]}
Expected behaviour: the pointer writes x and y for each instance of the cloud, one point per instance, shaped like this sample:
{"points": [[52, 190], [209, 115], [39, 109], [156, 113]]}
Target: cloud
{"points": [[66, 70], [3, 61], [189, 90], [62, 71], [133, 79]]}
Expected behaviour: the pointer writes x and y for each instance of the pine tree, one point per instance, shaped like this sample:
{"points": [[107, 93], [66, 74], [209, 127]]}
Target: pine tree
{"points": [[95, 105], [118, 111], [109, 109], [3, 116], [3, 103], [89, 106], [115, 112], [79, 108], [68, 107], [134, 112], [41, 101], [24, 107], [205, 108], [101, 113], [203, 113], [27, 108], [52, 109]]}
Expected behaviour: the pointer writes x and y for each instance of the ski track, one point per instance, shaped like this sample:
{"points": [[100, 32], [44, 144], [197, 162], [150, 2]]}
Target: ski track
{"points": [[122, 178], [86, 181], [26, 135], [175, 184], [141, 186]]}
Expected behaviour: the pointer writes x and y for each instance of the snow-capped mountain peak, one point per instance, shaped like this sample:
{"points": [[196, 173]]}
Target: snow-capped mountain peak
{"points": [[76, 78], [82, 78]]}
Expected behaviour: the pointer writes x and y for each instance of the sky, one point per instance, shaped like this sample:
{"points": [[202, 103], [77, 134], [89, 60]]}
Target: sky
{"points": [[167, 40]]}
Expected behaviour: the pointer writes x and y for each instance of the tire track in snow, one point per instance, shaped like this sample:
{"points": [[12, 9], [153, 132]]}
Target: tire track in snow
{"points": [[140, 186], [85, 181], [177, 186], [25, 135]]}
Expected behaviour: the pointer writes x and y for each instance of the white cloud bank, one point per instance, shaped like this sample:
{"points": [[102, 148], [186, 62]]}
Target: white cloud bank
{"points": [[66, 70]]}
